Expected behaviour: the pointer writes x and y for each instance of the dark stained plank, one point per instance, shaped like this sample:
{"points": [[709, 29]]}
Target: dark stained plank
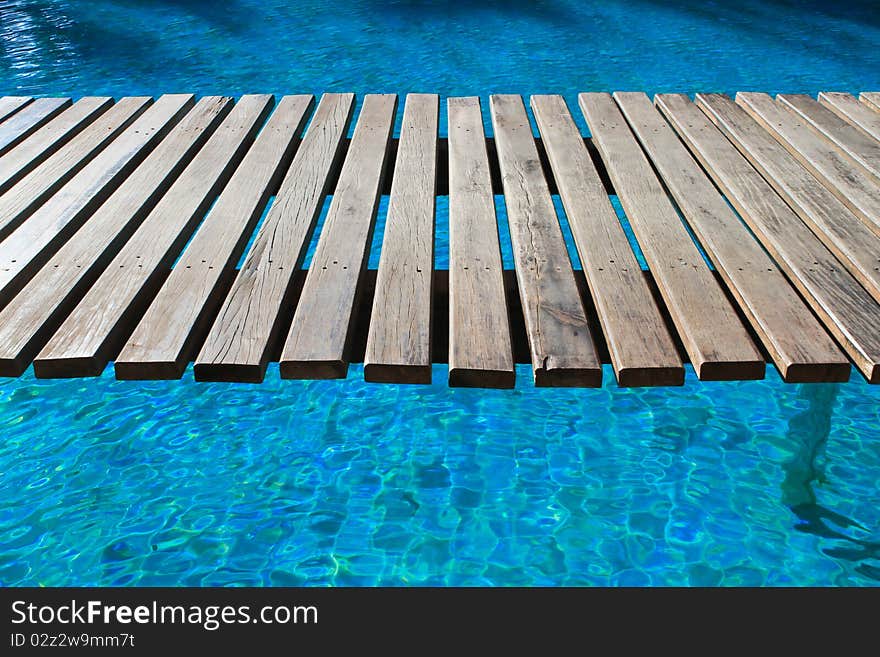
{"points": [[36, 187], [849, 313], [871, 99], [480, 348], [28, 246], [33, 315], [399, 337], [861, 149], [21, 125], [713, 335], [46, 141], [848, 107], [97, 326], [164, 340], [317, 345], [239, 343], [9, 105], [641, 348], [800, 348], [560, 342], [856, 189]]}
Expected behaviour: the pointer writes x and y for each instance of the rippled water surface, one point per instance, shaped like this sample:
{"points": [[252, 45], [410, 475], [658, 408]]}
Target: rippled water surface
{"points": [[341, 482]]}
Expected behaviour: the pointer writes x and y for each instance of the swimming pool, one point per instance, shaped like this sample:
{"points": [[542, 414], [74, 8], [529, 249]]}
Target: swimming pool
{"points": [[342, 482]]}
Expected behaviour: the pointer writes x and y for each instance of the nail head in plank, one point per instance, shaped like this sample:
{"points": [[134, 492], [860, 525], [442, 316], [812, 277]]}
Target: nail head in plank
{"points": [[641, 348], [716, 341], [848, 107], [21, 125], [399, 336], [794, 338], [9, 105], [239, 343], [562, 349]]}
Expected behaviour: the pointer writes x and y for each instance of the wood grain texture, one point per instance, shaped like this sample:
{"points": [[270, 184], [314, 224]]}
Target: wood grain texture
{"points": [[849, 313], [861, 149], [96, 328], [480, 348], [29, 246], [795, 340], [18, 127], [317, 346], [848, 107], [46, 141], [871, 99], [850, 240], [9, 105], [399, 337], [560, 342], [851, 185], [238, 344], [35, 188], [166, 337], [33, 315], [641, 348], [713, 336]]}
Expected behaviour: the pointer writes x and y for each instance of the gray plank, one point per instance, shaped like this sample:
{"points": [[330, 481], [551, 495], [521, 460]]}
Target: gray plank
{"points": [[871, 99], [9, 105], [239, 343], [848, 107], [165, 338], [562, 348], [21, 125], [96, 328], [642, 350], [800, 348], [713, 335], [399, 336]]}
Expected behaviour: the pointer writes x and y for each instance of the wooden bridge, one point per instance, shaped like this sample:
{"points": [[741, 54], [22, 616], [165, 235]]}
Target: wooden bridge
{"points": [[122, 225]]}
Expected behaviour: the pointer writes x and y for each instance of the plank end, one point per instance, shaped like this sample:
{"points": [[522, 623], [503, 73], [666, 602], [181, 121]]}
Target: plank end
{"points": [[148, 370], [462, 377], [383, 373], [314, 369], [13, 367], [642, 377], [586, 377], [740, 370], [68, 367], [833, 372], [230, 372]]}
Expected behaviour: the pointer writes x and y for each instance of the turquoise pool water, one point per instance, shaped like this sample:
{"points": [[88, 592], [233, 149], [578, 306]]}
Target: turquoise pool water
{"points": [[750, 483]]}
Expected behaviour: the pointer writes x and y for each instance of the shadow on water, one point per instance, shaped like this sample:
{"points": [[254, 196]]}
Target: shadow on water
{"points": [[808, 431]]}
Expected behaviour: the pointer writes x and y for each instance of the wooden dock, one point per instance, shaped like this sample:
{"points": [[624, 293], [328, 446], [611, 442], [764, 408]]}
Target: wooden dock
{"points": [[123, 223]]}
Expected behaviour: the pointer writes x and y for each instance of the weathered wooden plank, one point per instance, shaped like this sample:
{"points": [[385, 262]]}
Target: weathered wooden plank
{"points": [[238, 344], [166, 337], [18, 127], [9, 105], [561, 344], [29, 246], [871, 99], [32, 316], [849, 313], [46, 141], [854, 188], [862, 150], [854, 244], [480, 348], [848, 107], [399, 336], [36, 187], [95, 329], [716, 341], [641, 348], [800, 348], [317, 346]]}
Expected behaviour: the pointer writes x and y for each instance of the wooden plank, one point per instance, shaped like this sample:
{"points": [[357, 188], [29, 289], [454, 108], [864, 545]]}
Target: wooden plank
{"points": [[849, 313], [871, 99], [92, 333], [29, 246], [713, 336], [21, 125], [854, 188], [46, 141], [35, 313], [238, 344], [164, 340], [9, 105], [561, 344], [854, 244], [399, 337], [847, 107], [36, 187], [317, 346], [480, 348], [641, 348], [800, 348], [862, 150]]}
